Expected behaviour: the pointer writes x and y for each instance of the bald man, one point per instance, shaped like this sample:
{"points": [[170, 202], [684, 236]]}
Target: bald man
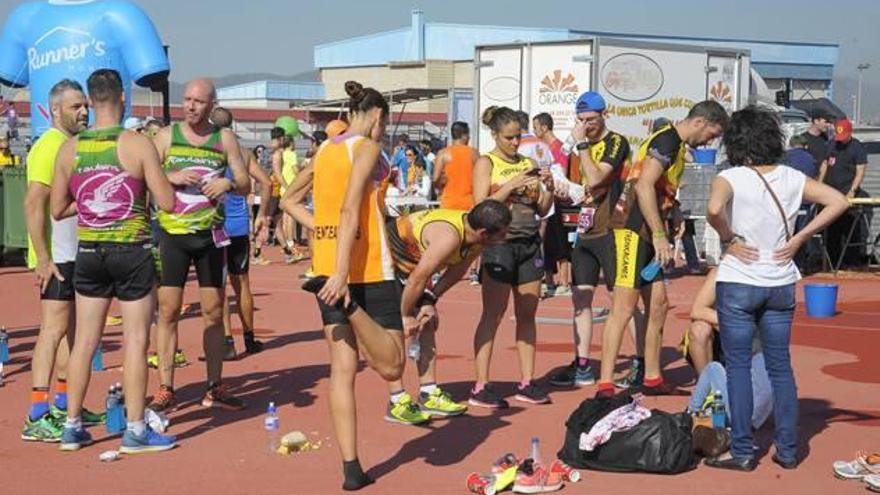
{"points": [[193, 234]]}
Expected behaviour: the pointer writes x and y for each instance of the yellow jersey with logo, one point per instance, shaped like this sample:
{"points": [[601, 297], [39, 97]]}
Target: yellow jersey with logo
{"points": [[371, 259], [667, 147], [614, 150], [408, 245], [523, 202]]}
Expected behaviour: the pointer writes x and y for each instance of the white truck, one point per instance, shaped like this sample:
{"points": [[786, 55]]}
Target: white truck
{"points": [[640, 81]]}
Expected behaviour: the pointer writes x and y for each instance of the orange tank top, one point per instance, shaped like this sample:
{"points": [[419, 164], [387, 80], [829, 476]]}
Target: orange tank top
{"points": [[458, 193], [371, 259]]}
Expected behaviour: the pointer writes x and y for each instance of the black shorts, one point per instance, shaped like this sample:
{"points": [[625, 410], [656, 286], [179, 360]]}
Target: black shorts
{"points": [[178, 252], [632, 254], [516, 262], [556, 245], [381, 300], [588, 257], [56, 290], [108, 269], [238, 254]]}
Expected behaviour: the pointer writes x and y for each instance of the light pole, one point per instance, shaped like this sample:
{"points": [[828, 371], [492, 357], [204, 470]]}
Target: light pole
{"points": [[861, 68]]}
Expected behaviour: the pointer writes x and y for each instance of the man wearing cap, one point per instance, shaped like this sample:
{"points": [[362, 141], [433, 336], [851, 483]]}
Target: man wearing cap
{"points": [[601, 154], [844, 170]]}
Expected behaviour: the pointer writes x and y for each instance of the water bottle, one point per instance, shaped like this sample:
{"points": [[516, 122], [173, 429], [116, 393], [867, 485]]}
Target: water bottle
{"points": [[4, 346], [272, 425], [650, 271], [111, 403], [536, 450], [414, 349], [719, 414], [98, 359]]}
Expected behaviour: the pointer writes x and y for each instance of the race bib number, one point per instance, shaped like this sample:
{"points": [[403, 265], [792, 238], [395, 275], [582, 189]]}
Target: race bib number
{"points": [[585, 219]]}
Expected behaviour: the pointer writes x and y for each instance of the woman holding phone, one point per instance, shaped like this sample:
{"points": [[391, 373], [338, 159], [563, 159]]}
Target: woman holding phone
{"points": [[516, 265]]}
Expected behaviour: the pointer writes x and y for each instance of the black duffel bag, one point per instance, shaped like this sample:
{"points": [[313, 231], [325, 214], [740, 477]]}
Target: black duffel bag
{"points": [[661, 444]]}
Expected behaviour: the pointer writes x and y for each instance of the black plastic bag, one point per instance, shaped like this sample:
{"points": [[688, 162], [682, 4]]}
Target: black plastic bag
{"points": [[661, 444]]}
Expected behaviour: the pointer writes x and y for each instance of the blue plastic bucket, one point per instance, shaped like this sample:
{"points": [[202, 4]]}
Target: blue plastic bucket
{"points": [[821, 300], [705, 156]]}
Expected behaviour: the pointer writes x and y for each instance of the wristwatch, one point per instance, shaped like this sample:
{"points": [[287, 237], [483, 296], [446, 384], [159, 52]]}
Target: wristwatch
{"points": [[583, 145], [728, 242]]}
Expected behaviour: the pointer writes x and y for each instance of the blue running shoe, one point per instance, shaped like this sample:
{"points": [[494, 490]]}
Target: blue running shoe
{"points": [[74, 439], [150, 441]]}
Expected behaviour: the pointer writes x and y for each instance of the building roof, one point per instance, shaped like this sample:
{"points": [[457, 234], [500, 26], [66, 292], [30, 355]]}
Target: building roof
{"points": [[273, 90], [446, 41]]}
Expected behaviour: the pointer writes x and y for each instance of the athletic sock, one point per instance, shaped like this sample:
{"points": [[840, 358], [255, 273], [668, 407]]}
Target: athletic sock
{"points": [[355, 478], [428, 388], [230, 340], [75, 423], [583, 362], [478, 387], [395, 396], [39, 402], [137, 427], [61, 394]]}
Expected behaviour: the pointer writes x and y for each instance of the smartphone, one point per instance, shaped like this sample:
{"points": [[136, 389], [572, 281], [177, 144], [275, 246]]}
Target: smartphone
{"points": [[534, 172]]}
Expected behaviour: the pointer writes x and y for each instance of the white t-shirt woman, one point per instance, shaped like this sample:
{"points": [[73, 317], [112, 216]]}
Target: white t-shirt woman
{"points": [[754, 216]]}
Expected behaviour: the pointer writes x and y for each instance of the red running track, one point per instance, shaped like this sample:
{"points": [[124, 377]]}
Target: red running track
{"points": [[835, 360]]}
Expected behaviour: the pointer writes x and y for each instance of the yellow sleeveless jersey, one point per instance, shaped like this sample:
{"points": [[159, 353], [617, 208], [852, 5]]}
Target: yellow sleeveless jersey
{"points": [[371, 259], [523, 202], [667, 147], [407, 245]]}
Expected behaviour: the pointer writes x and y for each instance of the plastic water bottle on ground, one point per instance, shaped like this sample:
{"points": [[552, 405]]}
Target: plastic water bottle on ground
{"points": [[110, 404], [414, 349], [535, 453], [272, 424], [719, 414], [4, 346], [98, 359]]}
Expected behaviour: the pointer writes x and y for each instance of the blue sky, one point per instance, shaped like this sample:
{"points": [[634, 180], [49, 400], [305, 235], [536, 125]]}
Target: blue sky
{"points": [[220, 37]]}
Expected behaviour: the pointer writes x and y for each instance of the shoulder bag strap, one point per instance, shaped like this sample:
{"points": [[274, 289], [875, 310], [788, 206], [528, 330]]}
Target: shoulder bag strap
{"points": [[778, 203]]}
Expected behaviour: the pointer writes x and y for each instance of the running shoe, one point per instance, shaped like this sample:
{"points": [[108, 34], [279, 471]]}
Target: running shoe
{"points": [[440, 403], [251, 344], [164, 400], [406, 412], [634, 377], [260, 261], [229, 353], [74, 439], [474, 278], [179, 360], [562, 290], [219, 396], [573, 375], [662, 389], [535, 478], [44, 429], [89, 418], [308, 274], [532, 393], [487, 398], [872, 482], [856, 469], [150, 441]]}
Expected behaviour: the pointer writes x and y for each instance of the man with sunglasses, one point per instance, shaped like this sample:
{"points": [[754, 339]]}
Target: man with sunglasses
{"points": [[600, 156]]}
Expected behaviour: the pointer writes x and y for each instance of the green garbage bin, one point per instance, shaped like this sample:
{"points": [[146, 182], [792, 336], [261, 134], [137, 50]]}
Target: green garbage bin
{"points": [[12, 225]]}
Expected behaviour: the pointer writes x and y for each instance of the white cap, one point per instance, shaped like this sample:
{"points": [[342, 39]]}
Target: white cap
{"points": [[132, 123]]}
